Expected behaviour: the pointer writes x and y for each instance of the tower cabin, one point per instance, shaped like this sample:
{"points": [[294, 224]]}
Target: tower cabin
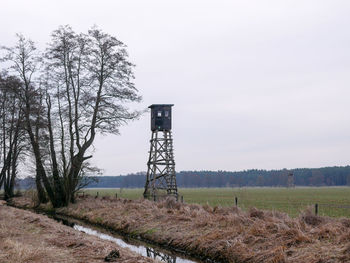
{"points": [[161, 117]]}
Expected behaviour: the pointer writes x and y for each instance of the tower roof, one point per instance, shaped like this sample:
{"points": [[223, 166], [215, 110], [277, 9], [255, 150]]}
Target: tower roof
{"points": [[157, 105]]}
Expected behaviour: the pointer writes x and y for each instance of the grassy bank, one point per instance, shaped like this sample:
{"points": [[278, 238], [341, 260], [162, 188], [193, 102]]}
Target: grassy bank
{"points": [[333, 201], [225, 234], [28, 237]]}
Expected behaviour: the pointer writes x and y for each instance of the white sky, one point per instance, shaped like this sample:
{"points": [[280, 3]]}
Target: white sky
{"points": [[256, 84]]}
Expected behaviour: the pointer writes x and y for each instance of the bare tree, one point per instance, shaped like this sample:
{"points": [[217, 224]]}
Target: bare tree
{"points": [[92, 78], [12, 133], [25, 63], [82, 90]]}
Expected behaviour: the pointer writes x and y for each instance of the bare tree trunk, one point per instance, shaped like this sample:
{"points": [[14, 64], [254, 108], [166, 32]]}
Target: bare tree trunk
{"points": [[62, 138], [13, 169], [7, 163], [40, 171], [59, 191]]}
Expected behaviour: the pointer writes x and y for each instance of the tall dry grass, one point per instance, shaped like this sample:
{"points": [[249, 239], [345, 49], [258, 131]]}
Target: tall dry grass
{"points": [[26, 237], [227, 234]]}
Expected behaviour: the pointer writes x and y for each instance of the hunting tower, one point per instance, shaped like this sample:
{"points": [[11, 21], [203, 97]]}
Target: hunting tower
{"points": [[290, 182], [161, 179]]}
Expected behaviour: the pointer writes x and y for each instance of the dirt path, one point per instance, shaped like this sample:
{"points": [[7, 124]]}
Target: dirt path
{"points": [[29, 237]]}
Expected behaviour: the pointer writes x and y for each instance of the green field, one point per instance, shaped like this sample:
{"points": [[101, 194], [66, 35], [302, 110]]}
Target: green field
{"points": [[333, 201]]}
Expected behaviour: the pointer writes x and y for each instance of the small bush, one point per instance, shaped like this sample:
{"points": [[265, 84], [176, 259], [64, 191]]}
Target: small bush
{"points": [[171, 203], [255, 213], [309, 218]]}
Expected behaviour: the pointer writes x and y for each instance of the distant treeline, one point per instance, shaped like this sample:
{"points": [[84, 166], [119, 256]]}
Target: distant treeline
{"points": [[328, 176]]}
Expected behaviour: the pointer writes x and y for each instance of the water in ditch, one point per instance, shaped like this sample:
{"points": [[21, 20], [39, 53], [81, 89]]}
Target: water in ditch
{"points": [[134, 245]]}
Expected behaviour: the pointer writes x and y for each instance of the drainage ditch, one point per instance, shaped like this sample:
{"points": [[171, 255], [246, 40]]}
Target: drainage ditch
{"points": [[134, 245]]}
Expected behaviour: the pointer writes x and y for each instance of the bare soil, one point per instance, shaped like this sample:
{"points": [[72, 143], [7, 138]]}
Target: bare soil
{"points": [[225, 234], [29, 237]]}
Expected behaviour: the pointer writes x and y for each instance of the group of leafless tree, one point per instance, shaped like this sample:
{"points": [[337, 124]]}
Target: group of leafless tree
{"points": [[53, 103]]}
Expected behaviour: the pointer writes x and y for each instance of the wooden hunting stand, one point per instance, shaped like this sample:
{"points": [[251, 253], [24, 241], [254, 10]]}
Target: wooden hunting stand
{"points": [[161, 178], [290, 182]]}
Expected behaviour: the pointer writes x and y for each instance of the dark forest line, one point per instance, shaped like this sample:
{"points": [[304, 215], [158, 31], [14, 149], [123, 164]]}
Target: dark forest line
{"points": [[327, 176]]}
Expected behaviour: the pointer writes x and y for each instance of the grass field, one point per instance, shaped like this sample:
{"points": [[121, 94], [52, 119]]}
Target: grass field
{"points": [[332, 201]]}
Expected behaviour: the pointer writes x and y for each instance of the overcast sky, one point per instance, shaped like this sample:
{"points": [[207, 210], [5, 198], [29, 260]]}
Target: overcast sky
{"points": [[256, 84]]}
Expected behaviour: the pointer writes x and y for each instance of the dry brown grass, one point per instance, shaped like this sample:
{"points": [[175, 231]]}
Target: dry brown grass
{"points": [[226, 234], [29, 237]]}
